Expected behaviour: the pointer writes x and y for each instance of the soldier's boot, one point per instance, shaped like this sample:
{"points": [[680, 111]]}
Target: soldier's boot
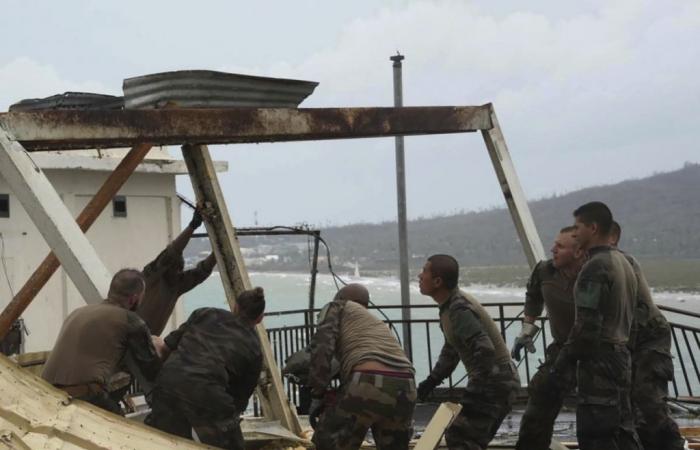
{"points": [[537, 423]]}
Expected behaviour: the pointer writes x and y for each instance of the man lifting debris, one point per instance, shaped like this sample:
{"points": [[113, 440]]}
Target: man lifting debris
{"points": [[472, 337], [214, 363], [95, 339], [166, 279], [378, 388]]}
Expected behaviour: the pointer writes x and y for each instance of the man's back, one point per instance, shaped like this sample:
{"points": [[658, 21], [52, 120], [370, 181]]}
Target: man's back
{"points": [[92, 342], [216, 351], [363, 337], [609, 280]]}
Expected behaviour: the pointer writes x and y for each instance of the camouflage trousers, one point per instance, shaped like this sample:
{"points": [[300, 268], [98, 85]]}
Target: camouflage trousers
{"points": [[380, 402], [651, 371], [216, 425], [545, 400], [484, 406], [604, 418]]}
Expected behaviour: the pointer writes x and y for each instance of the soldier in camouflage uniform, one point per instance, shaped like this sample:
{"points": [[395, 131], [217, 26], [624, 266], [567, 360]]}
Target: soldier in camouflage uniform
{"points": [[652, 367], [166, 279], [551, 285], [605, 295], [472, 337], [210, 374], [377, 379]]}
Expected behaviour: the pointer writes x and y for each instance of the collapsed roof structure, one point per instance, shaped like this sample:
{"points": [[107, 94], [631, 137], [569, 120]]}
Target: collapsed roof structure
{"points": [[183, 112]]}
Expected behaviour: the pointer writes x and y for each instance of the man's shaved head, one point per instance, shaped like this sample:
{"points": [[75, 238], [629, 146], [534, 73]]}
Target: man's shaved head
{"points": [[355, 292]]}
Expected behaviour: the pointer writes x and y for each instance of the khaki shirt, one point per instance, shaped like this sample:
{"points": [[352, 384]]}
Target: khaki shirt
{"points": [[353, 335], [550, 288], [92, 343]]}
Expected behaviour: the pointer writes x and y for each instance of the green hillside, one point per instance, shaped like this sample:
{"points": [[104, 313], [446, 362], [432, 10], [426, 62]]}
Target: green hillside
{"points": [[660, 216]]}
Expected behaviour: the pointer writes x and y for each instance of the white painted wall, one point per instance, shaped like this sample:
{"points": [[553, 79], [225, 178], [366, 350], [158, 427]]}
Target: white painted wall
{"points": [[152, 221]]}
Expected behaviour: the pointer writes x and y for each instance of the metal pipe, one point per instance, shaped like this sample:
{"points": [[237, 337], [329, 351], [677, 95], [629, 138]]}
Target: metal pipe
{"points": [[401, 204], [312, 286]]}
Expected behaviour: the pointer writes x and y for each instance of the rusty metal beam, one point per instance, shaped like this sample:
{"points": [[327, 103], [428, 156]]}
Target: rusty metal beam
{"points": [[87, 217], [66, 129]]}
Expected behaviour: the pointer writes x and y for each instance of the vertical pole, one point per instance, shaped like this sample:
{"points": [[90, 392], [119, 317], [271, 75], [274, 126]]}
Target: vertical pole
{"points": [[401, 202], [312, 286]]}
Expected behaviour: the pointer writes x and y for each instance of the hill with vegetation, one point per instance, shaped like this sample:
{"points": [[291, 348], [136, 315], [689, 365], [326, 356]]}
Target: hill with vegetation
{"points": [[660, 217], [659, 214]]}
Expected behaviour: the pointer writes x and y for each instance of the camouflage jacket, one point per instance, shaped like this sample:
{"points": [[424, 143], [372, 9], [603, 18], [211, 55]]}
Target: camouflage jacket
{"points": [[214, 354], [651, 330], [472, 337], [605, 295], [550, 288], [166, 282]]}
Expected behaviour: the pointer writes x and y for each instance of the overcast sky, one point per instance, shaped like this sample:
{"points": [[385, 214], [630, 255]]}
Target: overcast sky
{"points": [[587, 92]]}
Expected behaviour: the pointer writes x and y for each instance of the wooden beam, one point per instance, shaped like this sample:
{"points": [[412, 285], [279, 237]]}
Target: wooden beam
{"points": [[66, 129], [87, 217], [442, 419], [513, 192], [234, 276], [53, 220]]}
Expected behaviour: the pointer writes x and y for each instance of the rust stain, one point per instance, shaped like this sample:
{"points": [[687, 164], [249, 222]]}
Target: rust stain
{"points": [[45, 130]]}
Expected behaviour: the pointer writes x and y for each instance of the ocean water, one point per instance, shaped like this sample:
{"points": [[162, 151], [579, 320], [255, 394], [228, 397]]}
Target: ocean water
{"points": [[290, 291]]}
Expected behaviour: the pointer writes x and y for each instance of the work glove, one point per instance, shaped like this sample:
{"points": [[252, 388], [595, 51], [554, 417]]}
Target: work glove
{"points": [[315, 410], [196, 220], [425, 387], [525, 340]]}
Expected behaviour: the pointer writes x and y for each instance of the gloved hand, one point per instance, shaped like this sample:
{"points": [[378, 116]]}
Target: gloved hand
{"points": [[315, 410], [196, 220], [425, 387], [525, 340]]}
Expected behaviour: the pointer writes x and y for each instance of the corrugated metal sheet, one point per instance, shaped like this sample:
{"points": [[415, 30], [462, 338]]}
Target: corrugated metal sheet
{"points": [[70, 100], [210, 89]]}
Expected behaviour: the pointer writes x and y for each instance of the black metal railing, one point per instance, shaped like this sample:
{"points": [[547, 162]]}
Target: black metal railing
{"points": [[290, 331]]}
